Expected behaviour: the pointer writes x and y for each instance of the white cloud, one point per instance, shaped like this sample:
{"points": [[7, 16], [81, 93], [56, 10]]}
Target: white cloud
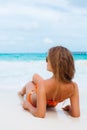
{"points": [[48, 40], [35, 24], [30, 11], [25, 21], [44, 7], [39, 14], [79, 3]]}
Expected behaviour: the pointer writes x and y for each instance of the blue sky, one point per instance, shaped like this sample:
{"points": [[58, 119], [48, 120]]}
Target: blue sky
{"points": [[37, 25]]}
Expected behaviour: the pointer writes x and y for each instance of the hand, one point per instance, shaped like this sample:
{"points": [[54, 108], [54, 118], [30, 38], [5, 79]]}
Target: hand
{"points": [[25, 105], [66, 108]]}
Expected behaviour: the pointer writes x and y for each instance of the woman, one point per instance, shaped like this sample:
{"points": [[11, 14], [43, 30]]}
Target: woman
{"points": [[42, 93]]}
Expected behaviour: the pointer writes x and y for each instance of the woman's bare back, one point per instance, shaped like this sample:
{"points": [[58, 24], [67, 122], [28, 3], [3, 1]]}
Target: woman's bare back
{"points": [[58, 91]]}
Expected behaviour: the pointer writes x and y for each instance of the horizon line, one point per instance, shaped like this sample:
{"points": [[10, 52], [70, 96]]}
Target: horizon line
{"points": [[74, 52]]}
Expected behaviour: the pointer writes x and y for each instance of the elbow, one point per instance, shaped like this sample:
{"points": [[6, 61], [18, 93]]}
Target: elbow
{"points": [[76, 115]]}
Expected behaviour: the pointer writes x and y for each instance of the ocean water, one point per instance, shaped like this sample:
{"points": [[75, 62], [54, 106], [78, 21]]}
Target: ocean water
{"points": [[36, 56], [22, 56], [17, 69]]}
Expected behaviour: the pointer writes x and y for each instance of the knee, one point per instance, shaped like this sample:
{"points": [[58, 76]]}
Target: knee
{"points": [[29, 85]]}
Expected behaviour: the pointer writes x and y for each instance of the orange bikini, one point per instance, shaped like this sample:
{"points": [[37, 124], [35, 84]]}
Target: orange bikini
{"points": [[50, 103]]}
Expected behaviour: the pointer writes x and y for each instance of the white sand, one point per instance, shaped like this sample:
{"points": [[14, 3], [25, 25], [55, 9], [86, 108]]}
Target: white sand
{"points": [[13, 117]]}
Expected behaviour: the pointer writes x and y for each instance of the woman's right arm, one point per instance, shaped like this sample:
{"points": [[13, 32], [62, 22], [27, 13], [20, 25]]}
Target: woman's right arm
{"points": [[74, 108], [74, 100]]}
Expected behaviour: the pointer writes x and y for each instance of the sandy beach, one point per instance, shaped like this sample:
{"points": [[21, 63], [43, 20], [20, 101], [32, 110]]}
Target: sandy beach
{"points": [[14, 117]]}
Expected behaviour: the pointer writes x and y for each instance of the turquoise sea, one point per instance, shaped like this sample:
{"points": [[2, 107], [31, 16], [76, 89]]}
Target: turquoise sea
{"points": [[17, 68], [36, 56]]}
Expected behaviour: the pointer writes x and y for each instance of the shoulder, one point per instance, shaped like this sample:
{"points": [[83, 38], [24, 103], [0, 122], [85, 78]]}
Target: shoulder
{"points": [[75, 87], [75, 90]]}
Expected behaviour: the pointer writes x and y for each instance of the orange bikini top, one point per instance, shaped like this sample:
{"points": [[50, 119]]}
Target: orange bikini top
{"points": [[51, 103]]}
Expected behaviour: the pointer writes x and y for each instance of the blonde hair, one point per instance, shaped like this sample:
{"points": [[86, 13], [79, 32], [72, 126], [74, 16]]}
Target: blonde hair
{"points": [[62, 63]]}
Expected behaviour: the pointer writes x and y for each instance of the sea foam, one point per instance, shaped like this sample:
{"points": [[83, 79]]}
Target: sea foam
{"points": [[17, 73]]}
